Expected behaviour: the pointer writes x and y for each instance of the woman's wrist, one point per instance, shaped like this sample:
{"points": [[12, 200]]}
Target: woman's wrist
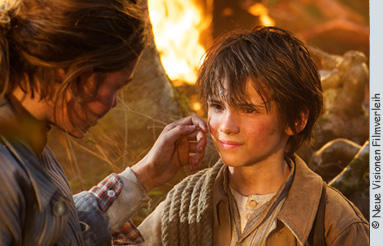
{"points": [[140, 170]]}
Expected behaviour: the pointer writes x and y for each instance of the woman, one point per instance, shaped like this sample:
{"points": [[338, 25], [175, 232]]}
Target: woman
{"points": [[61, 64]]}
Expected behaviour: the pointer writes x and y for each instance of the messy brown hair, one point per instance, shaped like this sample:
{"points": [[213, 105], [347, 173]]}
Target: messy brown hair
{"points": [[280, 68]]}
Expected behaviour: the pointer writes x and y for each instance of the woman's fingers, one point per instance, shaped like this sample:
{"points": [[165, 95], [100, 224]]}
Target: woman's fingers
{"points": [[191, 120], [202, 141], [195, 160]]}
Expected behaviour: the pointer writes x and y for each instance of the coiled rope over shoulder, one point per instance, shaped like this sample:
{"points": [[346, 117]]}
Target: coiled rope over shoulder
{"points": [[187, 218]]}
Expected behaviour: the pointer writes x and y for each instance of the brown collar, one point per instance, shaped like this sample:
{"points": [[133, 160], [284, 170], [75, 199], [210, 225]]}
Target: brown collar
{"points": [[303, 196], [299, 210]]}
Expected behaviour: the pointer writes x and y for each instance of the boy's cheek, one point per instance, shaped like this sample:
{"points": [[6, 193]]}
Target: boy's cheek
{"points": [[211, 125]]}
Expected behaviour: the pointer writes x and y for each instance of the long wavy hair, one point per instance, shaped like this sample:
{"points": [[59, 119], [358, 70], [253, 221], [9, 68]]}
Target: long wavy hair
{"points": [[38, 37]]}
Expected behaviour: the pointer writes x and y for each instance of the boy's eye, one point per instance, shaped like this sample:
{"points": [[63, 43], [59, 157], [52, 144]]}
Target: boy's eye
{"points": [[249, 110], [216, 106]]}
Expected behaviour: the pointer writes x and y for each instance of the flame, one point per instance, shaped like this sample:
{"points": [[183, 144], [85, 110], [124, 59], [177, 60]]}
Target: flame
{"points": [[196, 106], [177, 25], [260, 10]]}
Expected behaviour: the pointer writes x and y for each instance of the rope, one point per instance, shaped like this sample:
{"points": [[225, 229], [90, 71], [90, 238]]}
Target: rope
{"points": [[187, 219]]}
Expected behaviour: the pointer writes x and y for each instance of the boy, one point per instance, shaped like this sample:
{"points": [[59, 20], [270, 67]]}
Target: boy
{"points": [[263, 94]]}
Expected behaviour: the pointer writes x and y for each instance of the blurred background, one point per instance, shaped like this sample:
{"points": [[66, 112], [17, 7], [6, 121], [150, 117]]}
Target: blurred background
{"points": [[337, 32]]}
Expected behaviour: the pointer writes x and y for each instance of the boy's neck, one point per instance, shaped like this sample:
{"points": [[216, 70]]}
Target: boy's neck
{"points": [[259, 179]]}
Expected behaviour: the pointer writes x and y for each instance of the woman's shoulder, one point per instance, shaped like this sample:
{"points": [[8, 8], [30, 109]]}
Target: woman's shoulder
{"points": [[15, 182], [9, 164]]}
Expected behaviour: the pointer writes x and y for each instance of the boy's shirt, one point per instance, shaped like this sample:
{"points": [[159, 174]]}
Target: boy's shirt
{"points": [[254, 217], [248, 205]]}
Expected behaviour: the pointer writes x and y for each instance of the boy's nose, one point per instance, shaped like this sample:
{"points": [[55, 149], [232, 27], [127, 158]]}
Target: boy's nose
{"points": [[230, 123]]}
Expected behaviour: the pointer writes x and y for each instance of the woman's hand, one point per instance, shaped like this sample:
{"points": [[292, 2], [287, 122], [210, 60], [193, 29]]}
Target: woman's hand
{"points": [[181, 143]]}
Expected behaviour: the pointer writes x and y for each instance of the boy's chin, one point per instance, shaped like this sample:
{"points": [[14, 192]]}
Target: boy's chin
{"points": [[231, 162], [236, 162]]}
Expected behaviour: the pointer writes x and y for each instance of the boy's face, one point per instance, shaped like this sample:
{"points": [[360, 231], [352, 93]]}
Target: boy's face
{"points": [[247, 134]]}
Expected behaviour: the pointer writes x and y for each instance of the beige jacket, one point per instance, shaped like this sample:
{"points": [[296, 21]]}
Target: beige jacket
{"points": [[344, 224]]}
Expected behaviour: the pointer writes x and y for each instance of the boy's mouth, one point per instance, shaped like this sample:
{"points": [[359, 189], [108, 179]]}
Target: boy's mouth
{"points": [[229, 144]]}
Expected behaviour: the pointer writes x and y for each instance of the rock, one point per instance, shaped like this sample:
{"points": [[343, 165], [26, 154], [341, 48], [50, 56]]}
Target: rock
{"points": [[354, 182], [333, 157], [344, 82]]}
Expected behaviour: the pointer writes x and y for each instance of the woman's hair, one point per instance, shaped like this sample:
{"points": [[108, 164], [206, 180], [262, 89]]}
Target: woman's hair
{"points": [[38, 37], [280, 68]]}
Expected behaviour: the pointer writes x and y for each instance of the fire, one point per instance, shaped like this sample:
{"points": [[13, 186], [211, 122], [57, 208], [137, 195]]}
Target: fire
{"points": [[177, 25], [196, 106], [260, 10]]}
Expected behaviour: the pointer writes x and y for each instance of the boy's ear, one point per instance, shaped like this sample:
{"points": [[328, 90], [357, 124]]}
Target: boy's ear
{"points": [[300, 123]]}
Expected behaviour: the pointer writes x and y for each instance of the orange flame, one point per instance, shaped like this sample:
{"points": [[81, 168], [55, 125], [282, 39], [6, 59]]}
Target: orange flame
{"points": [[177, 25], [260, 10]]}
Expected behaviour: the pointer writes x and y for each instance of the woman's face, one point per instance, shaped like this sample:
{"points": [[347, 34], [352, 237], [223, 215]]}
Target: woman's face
{"points": [[76, 118]]}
